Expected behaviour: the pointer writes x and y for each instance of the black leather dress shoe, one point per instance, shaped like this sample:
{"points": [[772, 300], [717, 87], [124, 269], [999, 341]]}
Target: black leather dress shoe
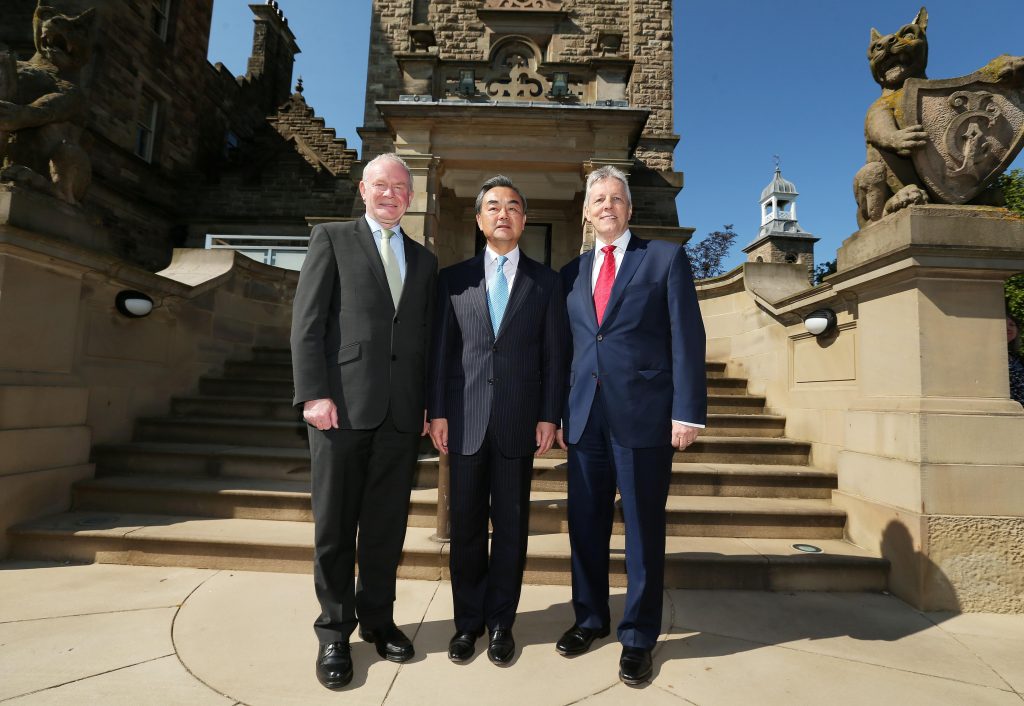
{"points": [[577, 640], [334, 664], [462, 646], [502, 646], [635, 665], [391, 643]]}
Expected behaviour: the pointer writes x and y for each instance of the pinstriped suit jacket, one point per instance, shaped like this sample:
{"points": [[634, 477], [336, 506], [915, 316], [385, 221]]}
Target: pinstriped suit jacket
{"points": [[509, 382]]}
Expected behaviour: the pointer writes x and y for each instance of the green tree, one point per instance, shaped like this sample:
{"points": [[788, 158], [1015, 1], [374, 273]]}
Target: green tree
{"points": [[1012, 184], [825, 269], [706, 256]]}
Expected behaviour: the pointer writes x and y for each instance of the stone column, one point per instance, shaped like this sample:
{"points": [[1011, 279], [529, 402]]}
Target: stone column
{"points": [[932, 473]]}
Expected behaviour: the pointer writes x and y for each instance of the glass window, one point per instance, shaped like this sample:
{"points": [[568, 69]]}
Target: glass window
{"points": [[145, 131], [159, 17]]}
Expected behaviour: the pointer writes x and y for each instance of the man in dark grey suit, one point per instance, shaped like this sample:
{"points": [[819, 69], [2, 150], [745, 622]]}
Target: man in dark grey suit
{"points": [[360, 327], [497, 385]]}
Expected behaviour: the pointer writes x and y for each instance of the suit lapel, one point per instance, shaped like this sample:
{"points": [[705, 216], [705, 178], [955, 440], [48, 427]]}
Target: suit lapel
{"points": [[365, 239], [582, 292], [413, 261], [631, 260], [476, 280], [520, 290]]}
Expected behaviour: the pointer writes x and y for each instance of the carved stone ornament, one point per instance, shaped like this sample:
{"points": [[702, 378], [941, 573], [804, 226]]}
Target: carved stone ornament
{"points": [[975, 127], [523, 5], [43, 107], [517, 78]]}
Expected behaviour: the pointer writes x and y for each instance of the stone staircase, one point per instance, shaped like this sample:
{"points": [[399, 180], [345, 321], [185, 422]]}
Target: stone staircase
{"points": [[223, 483]]}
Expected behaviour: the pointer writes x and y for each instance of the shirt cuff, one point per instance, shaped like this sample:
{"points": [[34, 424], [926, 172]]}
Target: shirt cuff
{"points": [[688, 424]]}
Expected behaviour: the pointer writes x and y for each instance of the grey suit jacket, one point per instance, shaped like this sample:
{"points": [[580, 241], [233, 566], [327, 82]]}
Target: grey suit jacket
{"points": [[348, 342]]}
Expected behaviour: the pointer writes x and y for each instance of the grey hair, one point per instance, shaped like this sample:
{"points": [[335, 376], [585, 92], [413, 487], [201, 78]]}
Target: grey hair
{"points": [[389, 157], [607, 172], [494, 182]]}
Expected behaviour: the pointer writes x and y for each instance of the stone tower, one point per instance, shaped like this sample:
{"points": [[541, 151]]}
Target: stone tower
{"points": [[781, 239], [543, 91]]}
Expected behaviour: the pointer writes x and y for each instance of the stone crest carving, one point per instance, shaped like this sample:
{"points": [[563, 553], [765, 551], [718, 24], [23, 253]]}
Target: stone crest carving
{"points": [[942, 141], [43, 107], [516, 76], [523, 5], [975, 126]]}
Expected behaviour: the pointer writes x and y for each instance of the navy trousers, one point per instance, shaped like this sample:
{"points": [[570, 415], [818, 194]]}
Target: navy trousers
{"points": [[488, 486], [597, 465]]}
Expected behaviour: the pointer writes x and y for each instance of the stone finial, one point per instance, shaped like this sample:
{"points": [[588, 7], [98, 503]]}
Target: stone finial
{"points": [[298, 86]]}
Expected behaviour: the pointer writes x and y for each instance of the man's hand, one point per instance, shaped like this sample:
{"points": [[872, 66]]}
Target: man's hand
{"points": [[322, 414], [439, 434], [683, 435], [545, 437], [560, 439]]}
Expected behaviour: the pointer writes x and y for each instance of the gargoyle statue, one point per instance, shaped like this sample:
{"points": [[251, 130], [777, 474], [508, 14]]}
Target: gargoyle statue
{"points": [[890, 181], [43, 107]]}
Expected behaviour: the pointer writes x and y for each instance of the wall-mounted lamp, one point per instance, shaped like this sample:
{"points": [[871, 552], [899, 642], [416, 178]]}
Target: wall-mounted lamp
{"points": [[559, 85], [467, 82], [820, 322], [133, 304]]}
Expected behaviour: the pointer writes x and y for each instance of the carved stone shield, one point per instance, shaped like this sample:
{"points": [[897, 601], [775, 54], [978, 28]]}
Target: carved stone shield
{"points": [[975, 127]]}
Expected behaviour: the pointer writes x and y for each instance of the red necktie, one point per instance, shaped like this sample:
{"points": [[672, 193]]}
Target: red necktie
{"points": [[605, 280]]}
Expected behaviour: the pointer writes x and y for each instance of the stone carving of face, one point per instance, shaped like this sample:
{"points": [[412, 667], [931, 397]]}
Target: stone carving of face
{"points": [[61, 40], [901, 55]]}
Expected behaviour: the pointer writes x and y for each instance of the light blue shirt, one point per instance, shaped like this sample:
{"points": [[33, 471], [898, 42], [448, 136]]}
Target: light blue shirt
{"points": [[397, 242]]}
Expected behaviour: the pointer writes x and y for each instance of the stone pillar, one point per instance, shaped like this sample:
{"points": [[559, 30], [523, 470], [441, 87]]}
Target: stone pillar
{"points": [[932, 473], [421, 220]]}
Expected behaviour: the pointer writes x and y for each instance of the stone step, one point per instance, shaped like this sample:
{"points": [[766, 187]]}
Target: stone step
{"points": [[735, 480], [267, 354], [265, 545], [281, 387], [748, 450], [294, 433], [706, 516], [226, 461], [270, 354], [280, 408]]}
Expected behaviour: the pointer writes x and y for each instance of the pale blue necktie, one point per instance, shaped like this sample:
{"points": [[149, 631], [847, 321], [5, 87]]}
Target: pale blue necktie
{"points": [[497, 295]]}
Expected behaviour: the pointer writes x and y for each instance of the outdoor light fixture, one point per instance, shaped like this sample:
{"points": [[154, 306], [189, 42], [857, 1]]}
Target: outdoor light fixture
{"points": [[467, 82], [820, 322], [560, 85], [133, 304]]}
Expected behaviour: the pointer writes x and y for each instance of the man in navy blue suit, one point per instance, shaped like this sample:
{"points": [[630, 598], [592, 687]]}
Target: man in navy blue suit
{"points": [[637, 393], [496, 390]]}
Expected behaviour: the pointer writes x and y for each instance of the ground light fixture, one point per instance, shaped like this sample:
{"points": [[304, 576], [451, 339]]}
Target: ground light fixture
{"points": [[133, 304], [820, 322]]}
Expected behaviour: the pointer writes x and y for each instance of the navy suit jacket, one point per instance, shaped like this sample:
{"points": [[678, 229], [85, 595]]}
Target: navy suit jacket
{"points": [[648, 352], [510, 381]]}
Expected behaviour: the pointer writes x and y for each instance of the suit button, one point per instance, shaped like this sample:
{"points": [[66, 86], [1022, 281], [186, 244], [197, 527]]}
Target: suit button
{"points": [[594, 375], [494, 349], [600, 337], [394, 357], [490, 381], [396, 319]]}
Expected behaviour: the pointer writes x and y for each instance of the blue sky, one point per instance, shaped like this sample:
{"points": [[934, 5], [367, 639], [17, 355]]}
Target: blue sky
{"points": [[752, 80]]}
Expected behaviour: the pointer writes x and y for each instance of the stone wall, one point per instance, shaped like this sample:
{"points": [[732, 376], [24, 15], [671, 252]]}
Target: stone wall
{"points": [[74, 372]]}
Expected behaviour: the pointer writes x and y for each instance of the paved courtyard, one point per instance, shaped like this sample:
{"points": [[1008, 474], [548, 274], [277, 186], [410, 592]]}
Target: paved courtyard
{"points": [[106, 634]]}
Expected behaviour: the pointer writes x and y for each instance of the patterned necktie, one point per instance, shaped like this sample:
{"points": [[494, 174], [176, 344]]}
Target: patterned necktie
{"points": [[390, 266], [605, 280], [497, 295]]}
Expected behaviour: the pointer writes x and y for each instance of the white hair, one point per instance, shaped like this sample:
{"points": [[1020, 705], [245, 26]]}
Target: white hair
{"points": [[607, 172], [388, 157]]}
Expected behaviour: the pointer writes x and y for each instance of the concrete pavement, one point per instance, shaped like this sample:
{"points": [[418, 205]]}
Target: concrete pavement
{"points": [[109, 634]]}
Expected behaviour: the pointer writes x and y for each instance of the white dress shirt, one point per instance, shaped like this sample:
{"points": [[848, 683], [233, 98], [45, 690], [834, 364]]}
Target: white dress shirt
{"points": [[491, 266], [620, 244], [397, 243]]}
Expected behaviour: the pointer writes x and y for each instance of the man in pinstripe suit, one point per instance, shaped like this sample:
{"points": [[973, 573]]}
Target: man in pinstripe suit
{"points": [[496, 390]]}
